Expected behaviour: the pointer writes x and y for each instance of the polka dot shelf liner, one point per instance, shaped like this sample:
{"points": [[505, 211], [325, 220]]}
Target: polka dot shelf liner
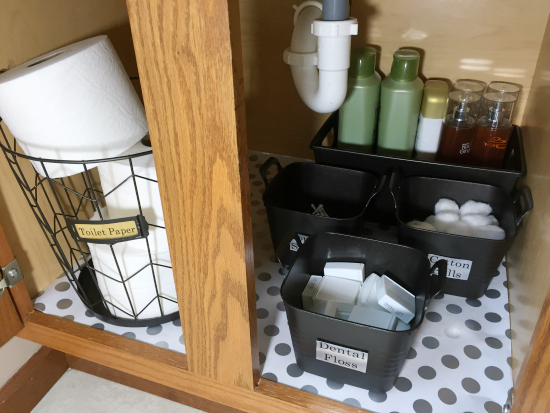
{"points": [[60, 299], [459, 360]]}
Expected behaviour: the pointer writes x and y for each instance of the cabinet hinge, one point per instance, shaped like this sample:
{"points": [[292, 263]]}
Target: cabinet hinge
{"points": [[10, 276], [507, 408]]}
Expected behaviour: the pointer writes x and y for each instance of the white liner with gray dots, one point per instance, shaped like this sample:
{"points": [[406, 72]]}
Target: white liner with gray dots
{"points": [[60, 299], [459, 360]]}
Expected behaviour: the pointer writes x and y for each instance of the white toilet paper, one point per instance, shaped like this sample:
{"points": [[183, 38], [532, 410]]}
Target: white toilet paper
{"points": [[134, 264], [75, 103], [122, 201], [141, 287]]}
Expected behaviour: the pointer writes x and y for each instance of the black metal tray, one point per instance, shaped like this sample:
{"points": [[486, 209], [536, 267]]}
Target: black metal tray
{"points": [[382, 207]]}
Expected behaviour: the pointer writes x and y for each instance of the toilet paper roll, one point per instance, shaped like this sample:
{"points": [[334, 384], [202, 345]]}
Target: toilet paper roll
{"points": [[75, 103], [123, 201], [128, 262]]}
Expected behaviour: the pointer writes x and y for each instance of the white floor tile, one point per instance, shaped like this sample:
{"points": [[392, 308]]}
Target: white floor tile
{"points": [[83, 393]]}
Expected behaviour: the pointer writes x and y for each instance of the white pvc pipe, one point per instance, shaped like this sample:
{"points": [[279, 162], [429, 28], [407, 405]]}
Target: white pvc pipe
{"points": [[303, 41], [322, 82], [321, 91]]}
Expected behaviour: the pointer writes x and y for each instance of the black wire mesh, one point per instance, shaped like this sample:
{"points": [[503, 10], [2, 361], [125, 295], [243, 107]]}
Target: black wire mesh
{"points": [[78, 197]]}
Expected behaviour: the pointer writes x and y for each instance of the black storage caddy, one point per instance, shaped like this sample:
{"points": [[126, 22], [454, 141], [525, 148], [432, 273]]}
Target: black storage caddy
{"points": [[344, 193], [381, 208], [387, 350], [415, 198]]}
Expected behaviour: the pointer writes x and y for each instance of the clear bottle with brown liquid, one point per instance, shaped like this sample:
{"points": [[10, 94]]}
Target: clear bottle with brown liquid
{"points": [[457, 131], [494, 126]]}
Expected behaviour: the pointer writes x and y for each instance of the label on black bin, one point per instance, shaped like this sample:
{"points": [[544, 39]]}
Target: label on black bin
{"points": [[456, 269], [294, 244], [342, 356]]}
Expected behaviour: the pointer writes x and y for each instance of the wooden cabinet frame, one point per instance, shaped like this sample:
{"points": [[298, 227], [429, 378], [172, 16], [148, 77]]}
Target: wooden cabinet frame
{"points": [[190, 65]]}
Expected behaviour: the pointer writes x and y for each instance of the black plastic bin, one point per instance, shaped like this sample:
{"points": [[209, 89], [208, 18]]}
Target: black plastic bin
{"points": [[473, 262], [382, 208], [387, 350], [344, 194]]}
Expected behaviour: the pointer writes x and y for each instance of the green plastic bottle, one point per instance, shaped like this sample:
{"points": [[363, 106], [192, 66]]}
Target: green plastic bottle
{"points": [[357, 119], [400, 100]]}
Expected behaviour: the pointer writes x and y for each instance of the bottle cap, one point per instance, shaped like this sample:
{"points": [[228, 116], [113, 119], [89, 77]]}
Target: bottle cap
{"points": [[362, 61], [498, 102], [502, 92], [434, 100], [405, 65], [469, 85]]}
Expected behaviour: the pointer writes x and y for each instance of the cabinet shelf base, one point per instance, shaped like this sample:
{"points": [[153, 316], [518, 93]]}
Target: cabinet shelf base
{"points": [[459, 360]]}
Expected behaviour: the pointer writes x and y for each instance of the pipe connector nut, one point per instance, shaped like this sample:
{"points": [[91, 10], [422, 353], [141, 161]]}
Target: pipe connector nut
{"points": [[342, 28], [299, 59]]}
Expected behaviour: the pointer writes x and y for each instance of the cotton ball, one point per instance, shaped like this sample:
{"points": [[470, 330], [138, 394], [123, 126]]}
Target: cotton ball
{"points": [[430, 220], [421, 225], [443, 219], [489, 232], [459, 228], [475, 208], [477, 220], [493, 220], [446, 205]]}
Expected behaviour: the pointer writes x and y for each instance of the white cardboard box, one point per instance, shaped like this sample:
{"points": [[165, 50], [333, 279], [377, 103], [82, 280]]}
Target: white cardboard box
{"points": [[367, 295], [349, 270], [341, 291], [372, 317], [309, 292], [396, 299], [327, 308], [401, 326]]}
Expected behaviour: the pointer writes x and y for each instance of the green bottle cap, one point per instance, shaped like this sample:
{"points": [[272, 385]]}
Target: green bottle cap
{"points": [[405, 65], [362, 60]]}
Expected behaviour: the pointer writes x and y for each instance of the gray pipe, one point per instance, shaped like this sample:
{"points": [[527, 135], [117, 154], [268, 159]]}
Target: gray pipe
{"points": [[335, 10]]}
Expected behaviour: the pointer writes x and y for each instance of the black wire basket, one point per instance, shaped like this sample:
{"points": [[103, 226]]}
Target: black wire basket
{"points": [[64, 206]]}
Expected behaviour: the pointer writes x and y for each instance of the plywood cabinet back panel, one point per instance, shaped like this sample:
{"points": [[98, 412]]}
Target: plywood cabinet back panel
{"points": [[528, 261], [486, 40], [29, 28]]}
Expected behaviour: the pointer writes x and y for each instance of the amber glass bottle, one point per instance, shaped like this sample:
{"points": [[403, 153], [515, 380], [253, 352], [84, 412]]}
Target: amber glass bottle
{"points": [[494, 126], [489, 146], [457, 131]]}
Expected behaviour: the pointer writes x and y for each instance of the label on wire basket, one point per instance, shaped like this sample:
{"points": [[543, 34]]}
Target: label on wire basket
{"points": [[109, 231]]}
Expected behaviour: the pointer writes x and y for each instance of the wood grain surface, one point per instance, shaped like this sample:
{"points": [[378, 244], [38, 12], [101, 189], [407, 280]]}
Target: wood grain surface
{"points": [[31, 28], [19, 293], [10, 322], [31, 383], [533, 394], [22, 300], [148, 386], [191, 77], [78, 339], [6, 255], [487, 40], [166, 368], [528, 262], [304, 399]]}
